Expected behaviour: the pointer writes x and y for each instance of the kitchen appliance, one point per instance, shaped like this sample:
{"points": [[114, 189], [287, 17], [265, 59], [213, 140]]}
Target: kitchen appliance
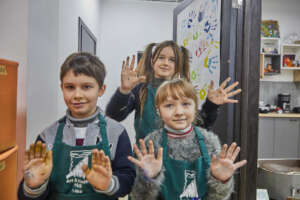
{"points": [[296, 109], [283, 102], [281, 177]]}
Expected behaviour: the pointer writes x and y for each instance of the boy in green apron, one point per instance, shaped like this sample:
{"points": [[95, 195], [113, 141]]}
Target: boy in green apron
{"points": [[84, 154], [186, 166]]}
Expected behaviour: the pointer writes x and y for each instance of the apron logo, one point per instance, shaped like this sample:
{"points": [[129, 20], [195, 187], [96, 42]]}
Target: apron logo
{"points": [[76, 175], [190, 186]]}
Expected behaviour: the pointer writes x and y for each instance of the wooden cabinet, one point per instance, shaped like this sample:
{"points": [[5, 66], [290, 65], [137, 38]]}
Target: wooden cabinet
{"points": [[266, 138], [8, 174], [8, 104], [286, 138], [8, 115], [279, 138]]}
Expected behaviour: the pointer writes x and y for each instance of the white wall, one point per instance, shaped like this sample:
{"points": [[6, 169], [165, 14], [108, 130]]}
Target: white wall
{"points": [[13, 37], [286, 12], [53, 35], [121, 28], [127, 27], [13, 31], [69, 11], [42, 66]]}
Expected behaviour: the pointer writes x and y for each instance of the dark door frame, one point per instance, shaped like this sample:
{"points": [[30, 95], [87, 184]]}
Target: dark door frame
{"points": [[248, 44], [240, 44]]}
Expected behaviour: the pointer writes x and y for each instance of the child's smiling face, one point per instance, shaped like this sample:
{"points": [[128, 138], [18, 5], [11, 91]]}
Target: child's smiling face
{"points": [[81, 93], [164, 65], [177, 113]]}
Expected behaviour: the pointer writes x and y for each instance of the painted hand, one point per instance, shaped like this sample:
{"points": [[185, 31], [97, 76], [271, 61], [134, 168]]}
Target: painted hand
{"points": [[99, 176], [37, 165], [129, 76], [224, 167], [146, 159], [221, 95]]}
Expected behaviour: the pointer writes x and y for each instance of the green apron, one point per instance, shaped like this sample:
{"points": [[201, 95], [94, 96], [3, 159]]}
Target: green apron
{"points": [[185, 180], [67, 180], [150, 120]]}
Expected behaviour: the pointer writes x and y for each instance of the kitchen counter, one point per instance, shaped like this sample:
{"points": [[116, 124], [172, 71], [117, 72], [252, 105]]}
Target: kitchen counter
{"points": [[282, 115]]}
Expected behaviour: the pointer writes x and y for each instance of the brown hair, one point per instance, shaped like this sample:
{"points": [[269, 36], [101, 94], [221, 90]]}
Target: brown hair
{"points": [[149, 57], [84, 63], [176, 88]]}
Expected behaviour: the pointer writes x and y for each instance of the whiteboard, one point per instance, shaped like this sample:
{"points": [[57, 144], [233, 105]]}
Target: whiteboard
{"points": [[197, 25]]}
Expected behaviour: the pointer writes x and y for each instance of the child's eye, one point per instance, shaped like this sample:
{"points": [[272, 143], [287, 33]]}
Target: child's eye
{"points": [[186, 104], [172, 59], [87, 87], [169, 105], [69, 87], [161, 57]]}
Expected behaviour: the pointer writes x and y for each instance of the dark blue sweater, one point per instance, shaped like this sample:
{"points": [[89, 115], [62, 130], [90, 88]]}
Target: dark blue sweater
{"points": [[121, 105]]}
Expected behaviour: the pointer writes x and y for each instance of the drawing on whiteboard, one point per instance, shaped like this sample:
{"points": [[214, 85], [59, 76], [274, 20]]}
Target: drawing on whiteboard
{"points": [[198, 29]]}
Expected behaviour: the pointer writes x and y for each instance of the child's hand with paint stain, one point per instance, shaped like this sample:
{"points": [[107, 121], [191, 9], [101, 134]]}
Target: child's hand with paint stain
{"points": [[38, 165], [100, 174], [129, 76]]}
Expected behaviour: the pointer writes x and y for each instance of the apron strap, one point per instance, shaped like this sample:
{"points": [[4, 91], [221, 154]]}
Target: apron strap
{"points": [[203, 148], [60, 131], [102, 125], [164, 144]]}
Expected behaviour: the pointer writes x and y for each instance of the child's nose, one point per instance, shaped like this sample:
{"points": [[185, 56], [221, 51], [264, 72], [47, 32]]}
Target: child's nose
{"points": [[77, 93], [179, 109], [166, 61]]}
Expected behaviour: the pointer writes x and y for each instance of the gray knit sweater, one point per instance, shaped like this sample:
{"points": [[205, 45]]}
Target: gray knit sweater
{"points": [[182, 149]]}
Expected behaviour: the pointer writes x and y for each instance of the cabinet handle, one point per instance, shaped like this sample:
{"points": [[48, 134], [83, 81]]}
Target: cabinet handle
{"points": [[2, 166]]}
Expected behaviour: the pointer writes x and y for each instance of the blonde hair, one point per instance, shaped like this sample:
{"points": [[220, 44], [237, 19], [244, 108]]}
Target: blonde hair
{"points": [[151, 54], [176, 88]]}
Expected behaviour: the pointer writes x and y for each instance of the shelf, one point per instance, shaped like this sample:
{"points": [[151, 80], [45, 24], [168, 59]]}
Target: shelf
{"points": [[290, 56], [270, 38], [271, 73], [270, 60], [290, 68], [270, 54], [291, 45], [270, 57]]}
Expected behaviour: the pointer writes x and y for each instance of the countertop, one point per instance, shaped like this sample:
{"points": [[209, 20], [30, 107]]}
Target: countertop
{"points": [[283, 115]]}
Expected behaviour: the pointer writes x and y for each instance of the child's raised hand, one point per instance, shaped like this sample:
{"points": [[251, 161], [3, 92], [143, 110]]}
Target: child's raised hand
{"points": [[129, 76], [222, 168], [37, 165], [146, 159], [99, 176], [221, 95]]}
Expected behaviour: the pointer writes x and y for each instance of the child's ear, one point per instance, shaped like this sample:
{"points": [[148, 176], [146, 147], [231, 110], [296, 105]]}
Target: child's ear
{"points": [[152, 62], [102, 90], [157, 110]]}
